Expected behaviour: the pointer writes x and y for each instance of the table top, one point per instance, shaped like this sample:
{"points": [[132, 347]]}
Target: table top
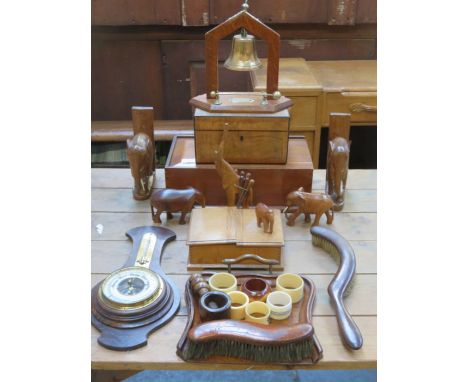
{"points": [[345, 76], [299, 77], [114, 208], [295, 78]]}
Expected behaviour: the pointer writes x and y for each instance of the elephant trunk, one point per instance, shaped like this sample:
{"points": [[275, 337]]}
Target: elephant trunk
{"points": [[339, 187], [200, 199]]}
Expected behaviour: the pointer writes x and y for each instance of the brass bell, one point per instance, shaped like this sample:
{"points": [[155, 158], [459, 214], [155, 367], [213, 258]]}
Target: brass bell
{"points": [[243, 55]]}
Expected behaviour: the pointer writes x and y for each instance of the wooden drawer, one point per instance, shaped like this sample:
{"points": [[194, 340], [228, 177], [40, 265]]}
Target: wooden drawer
{"points": [[249, 123], [361, 105], [243, 146], [303, 113]]}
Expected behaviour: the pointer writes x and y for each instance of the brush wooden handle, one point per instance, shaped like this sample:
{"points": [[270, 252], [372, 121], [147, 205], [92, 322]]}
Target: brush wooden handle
{"points": [[349, 331], [251, 333]]}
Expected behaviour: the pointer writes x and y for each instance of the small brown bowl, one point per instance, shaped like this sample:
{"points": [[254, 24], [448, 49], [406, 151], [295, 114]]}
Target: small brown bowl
{"points": [[257, 289], [214, 306]]}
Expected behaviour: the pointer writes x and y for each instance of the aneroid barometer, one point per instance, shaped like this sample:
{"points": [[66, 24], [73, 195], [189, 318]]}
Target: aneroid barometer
{"points": [[137, 299]]}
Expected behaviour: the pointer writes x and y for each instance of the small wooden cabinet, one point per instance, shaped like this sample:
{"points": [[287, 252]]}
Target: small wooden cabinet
{"points": [[251, 138], [297, 83]]}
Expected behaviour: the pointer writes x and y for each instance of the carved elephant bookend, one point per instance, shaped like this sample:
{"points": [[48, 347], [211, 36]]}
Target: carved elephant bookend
{"points": [[337, 170], [170, 200], [140, 152], [300, 202], [265, 216]]}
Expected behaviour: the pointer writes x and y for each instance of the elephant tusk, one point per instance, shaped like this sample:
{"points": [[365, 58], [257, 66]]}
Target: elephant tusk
{"points": [[285, 210], [142, 184]]}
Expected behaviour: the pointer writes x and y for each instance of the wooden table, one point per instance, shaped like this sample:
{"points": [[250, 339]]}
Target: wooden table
{"points": [[113, 207]]}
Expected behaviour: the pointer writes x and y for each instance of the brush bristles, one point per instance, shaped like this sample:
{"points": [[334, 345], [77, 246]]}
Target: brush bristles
{"points": [[330, 248], [292, 352]]}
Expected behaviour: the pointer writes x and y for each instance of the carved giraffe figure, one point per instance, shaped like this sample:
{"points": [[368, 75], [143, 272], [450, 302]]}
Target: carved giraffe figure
{"points": [[229, 176]]}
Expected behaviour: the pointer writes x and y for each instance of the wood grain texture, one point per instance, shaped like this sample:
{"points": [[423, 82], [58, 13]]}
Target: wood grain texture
{"points": [[151, 356], [346, 75], [125, 74], [250, 138], [273, 181], [284, 11], [297, 82], [118, 178], [120, 131], [342, 12], [135, 12], [195, 12], [204, 12], [110, 250]]}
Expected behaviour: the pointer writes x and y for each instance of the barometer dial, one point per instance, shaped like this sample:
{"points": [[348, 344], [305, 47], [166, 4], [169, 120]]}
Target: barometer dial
{"points": [[131, 288]]}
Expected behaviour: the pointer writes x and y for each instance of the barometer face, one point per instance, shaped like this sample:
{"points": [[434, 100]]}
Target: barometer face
{"points": [[131, 288]]}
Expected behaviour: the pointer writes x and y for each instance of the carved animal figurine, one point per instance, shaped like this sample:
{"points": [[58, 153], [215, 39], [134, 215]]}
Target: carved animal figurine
{"points": [[266, 216], [307, 203], [231, 180], [337, 170], [170, 200], [140, 152]]}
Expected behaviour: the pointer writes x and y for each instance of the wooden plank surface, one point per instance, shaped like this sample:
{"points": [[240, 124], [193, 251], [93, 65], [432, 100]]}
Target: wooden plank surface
{"points": [[120, 131], [113, 207], [118, 178]]}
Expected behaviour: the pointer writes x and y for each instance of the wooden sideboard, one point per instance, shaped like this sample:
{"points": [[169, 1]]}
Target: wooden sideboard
{"points": [[318, 88]]}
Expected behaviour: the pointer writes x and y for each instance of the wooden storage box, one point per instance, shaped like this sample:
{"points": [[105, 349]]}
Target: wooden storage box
{"points": [[251, 138], [218, 233], [272, 182], [297, 82]]}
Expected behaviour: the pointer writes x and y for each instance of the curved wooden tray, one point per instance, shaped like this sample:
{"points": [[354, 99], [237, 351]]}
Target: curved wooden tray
{"points": [[297, 328]]}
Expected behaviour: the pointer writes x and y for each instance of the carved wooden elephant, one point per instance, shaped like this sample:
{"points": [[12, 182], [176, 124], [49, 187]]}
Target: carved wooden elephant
{"points": [[337, 170], [140, 152], [265, 216], [171, 200], [307, 203]]}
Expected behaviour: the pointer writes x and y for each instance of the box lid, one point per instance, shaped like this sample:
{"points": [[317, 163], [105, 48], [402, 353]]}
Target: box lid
{"points": [[206, 114], [229, 225], [345, 76]]}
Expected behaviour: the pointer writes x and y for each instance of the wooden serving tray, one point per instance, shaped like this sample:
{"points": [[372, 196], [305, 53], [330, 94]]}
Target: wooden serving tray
{"points": [[295, 329]]}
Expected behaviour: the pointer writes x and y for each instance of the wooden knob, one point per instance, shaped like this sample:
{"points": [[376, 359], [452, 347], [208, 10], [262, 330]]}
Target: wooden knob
{"points": [[198, 284]]}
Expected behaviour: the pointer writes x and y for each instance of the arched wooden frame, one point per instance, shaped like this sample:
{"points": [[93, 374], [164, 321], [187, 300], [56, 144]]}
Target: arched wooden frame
{"points": [[245, 20]]}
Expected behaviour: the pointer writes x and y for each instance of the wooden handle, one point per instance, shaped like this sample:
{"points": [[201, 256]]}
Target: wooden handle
{"points": [[246, 332], [362, 108], [248, 256], [327, 238]]}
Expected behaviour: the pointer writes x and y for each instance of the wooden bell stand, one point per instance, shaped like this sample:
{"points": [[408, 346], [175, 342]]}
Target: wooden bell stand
{"points": [[256, 122]]}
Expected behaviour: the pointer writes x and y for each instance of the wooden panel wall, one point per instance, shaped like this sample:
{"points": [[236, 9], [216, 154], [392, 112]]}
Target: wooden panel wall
{"points": [[151, 52], [204, 12], [135, 12], [281, 11], [124, 74]]}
